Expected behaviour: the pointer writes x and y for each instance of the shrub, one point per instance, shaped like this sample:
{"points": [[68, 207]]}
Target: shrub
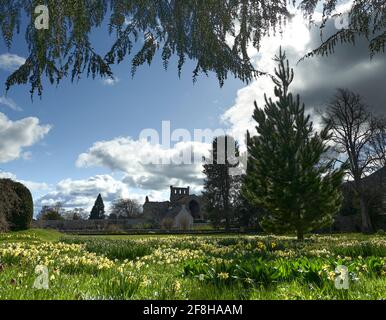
{"points": [[381, 232], [114, 229], [16, 205], [3, 223], [185, 223], [167, 223]]}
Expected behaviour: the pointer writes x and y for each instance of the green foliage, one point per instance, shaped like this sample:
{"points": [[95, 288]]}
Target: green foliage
{"points": [[118, 249], [362, 249], [98, 210], [262, 272], [259, 271], [287, 176], [16, 205], [8, 199], [116, 287], [22, 219], [196, 267]]}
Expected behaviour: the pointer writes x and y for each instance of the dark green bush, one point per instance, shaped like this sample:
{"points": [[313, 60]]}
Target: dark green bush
{"points": [[16, 205], [4, 227]]}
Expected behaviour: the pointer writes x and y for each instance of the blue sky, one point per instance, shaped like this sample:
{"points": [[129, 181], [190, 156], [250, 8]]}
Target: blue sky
{"points": [[89, 110], [84, 112], [81, 138]]}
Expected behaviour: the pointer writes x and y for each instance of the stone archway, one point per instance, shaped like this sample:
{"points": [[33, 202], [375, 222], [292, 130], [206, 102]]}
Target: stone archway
{"points": [[194, 209]]}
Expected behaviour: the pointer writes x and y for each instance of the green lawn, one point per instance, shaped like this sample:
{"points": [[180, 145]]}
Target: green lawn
{"points": [[191, 267], [31, 235]]}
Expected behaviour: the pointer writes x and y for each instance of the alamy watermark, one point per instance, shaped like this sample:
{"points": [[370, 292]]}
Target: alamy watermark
{"points": [[42, 279], [342, 21], [342, 280], [42, 19]]}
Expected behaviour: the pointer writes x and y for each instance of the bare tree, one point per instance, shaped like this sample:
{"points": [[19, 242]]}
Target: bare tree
{"points": [[126, 208], [356, 135], [76, 214], [55, 212]]}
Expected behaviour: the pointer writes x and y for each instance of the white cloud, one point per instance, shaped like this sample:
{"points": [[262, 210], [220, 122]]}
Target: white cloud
{"points": [[31, 185], [17, 135], [110, 81], [35, 186], [132, 157], [8, 102], [238, 117], [7, 175], [82, 193], [10, 62], [344, 7], [27, 155]]}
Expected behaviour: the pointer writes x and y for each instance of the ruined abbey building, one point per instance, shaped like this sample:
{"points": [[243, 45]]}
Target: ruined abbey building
{"points": [[182, 208]]}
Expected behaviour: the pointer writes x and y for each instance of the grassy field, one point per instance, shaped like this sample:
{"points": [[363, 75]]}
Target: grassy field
{"points": [[191, 267]]}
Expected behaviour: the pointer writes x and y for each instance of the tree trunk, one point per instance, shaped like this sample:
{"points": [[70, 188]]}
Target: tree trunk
{"points": [[300, 235], [366, 221], [227, 219]]}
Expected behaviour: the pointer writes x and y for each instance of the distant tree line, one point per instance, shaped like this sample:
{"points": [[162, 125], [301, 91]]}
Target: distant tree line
{"points": [[120, 209]]}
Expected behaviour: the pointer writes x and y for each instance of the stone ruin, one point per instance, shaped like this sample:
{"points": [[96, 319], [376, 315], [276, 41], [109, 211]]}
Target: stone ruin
{"points": [[181, 211]]}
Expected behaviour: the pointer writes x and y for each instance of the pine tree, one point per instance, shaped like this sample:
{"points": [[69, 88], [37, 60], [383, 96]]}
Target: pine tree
{"points": [[98, 210], [220, 187], [287, 176]]}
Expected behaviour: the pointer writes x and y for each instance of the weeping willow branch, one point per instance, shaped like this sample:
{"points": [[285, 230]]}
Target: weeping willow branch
{"points": [[365, 20], [138, 29], [215, 34]]}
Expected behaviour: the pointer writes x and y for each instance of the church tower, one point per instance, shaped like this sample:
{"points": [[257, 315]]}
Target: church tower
{"points": [[178, 193]]}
